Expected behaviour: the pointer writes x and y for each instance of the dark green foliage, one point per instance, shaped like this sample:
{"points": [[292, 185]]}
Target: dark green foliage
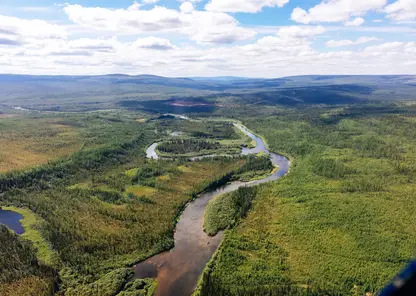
{"points": [[365, 184], [184, 146], [254, 163], [351, 184], [201, 129], [147, 175], [216, 131], [226, 210], [374, 146], [108, 196], [110, 284], [148, 172], [330, 168], [139, 287], [18, 259], [242, 199]]}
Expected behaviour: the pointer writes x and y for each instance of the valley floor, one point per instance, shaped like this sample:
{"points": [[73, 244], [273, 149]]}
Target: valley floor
{"points": [[340, 223]]}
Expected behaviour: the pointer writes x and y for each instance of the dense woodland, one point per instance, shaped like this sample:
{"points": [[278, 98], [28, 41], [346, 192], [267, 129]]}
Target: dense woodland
{"points": [[184, 146], [20, 271], [225, 211], [351, 184], [89, 201], [201, 129]]}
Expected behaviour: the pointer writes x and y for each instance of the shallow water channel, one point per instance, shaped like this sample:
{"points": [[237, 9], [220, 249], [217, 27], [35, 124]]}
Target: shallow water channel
{"points": [[177, 271]]}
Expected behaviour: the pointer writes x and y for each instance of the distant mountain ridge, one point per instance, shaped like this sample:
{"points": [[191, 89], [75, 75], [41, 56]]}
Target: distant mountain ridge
{"points": [[60, 92]]}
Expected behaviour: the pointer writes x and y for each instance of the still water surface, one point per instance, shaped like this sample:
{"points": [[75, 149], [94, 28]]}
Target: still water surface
{"points": [[12, 220]]}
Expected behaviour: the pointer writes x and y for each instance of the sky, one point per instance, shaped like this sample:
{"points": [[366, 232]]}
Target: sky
{"points": [[179, 38]]}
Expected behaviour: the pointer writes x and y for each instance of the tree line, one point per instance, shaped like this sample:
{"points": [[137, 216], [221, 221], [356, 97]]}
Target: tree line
{"points": [[184, 146]]}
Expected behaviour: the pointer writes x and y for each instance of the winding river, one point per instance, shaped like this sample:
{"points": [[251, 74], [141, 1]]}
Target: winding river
{"points": [[177, 271]]}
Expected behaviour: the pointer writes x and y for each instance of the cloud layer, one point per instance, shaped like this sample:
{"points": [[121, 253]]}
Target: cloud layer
{"points": [[336, 11], [189, 42], [200, 26], [251, 6]]}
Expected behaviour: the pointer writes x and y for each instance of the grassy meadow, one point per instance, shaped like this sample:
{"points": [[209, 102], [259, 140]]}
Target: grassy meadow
{"points": [[30, 139]]}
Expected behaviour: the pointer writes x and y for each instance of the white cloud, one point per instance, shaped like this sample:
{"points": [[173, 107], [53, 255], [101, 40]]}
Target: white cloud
{"points": [[355, 22], [127, 21], [251, 6], [389, 47], [378, 21], [38, 47], [201, 26], [153, 43], [300, 31], [336, 10], [402, 10], [339, 43], [94, 45], [187, 7], [270, 56], [22, 28], [150, 1]]}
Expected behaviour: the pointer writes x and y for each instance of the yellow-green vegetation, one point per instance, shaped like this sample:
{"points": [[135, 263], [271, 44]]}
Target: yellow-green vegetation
{"points": [[184, 168], [131, 173], [32, 285], [84, 185], [342, 221], [244, 141], [98, 218], [139, 287], [26, 142], [116, 283], [141, 190], [35, 139], [32, 225]]}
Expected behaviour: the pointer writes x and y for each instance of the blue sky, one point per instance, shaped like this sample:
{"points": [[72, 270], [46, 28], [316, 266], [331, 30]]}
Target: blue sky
{"points": [[256, 38]]}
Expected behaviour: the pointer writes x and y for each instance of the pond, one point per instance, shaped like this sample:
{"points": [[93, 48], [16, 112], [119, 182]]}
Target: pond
{"points": [[12, 220]]}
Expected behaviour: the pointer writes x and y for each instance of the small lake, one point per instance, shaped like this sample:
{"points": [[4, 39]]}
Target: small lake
{"points": [[12, 220]]}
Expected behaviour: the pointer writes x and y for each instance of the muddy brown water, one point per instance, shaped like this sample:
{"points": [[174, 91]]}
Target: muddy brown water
{"points": [[177, 271]]}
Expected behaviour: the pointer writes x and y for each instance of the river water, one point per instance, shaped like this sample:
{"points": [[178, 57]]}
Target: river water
{"points": [[12, 220], [177, 271]]}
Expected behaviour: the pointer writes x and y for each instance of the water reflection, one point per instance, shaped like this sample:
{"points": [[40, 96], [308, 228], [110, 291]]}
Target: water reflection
{"points": [[12, 220]]}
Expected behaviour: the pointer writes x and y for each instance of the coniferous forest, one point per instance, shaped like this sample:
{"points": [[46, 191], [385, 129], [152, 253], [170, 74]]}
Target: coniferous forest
{"points": [[341, 222]]}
